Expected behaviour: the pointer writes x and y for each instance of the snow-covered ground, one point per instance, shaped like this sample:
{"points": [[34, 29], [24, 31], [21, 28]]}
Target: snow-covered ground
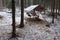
{"points": [[33, 30]]}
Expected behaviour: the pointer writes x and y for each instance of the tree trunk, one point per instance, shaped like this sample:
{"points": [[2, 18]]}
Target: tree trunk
{"points": [[4, 3], [53, 7], [31, 2], [19, 3], [1, 6], [22, 14], [44, 5], [13, 19], [56, 5]]}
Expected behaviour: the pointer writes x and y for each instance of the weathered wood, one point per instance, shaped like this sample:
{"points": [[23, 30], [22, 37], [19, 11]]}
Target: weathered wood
{"points": [[32, 10], [39, 8]]}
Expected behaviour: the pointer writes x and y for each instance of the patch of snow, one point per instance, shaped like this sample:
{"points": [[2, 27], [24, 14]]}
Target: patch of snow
{"points": [[31, 31]]}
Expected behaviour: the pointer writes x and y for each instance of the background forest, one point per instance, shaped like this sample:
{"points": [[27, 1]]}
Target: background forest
{"points": [[30, 19], [46, 3]]}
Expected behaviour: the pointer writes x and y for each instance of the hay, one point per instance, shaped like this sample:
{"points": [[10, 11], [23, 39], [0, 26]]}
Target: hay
{"points": [[37, 21]]}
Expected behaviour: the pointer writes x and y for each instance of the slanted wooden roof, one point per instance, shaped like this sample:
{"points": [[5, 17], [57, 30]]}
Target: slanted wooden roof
{"points": [[34, 7], [39, 8], [30, 8]]}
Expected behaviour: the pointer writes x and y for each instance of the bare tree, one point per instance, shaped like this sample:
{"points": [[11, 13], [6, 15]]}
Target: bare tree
{"points": [[56, 5], [53, 7], [22, 14], [31, 2], [19, 2], [13, 37], [1, 5], [44, 5], [4, 3], [13, 19]]}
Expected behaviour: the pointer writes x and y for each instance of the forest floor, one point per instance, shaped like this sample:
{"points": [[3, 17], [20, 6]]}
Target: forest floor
{"points": [[33, 30]]}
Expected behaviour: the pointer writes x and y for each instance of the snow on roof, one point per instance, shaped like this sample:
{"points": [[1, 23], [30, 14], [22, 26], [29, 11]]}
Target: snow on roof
{"points": [[30, 8]]}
